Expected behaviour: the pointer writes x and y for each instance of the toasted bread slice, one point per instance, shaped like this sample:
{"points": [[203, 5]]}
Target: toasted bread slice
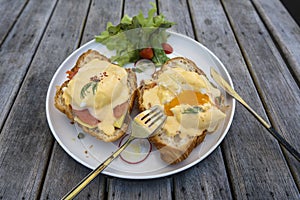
{"points": [[181, 62], [67, 109], [173, 149]]}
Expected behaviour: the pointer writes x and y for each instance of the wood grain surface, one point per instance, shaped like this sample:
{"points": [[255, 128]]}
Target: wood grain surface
{"points": [[9, 18], [278, 89], [214, 32], [256, 40], [17, 50], [284, 30]]}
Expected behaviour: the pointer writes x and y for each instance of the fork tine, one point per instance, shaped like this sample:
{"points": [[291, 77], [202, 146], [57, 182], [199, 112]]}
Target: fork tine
{"points": [[147, 122], [159, 117], [150, 111], [152, 115], [155, 112]]}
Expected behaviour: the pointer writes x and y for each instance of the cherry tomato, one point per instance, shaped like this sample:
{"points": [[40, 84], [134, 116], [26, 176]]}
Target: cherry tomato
{"points": [[167, 48], [146, 53]]}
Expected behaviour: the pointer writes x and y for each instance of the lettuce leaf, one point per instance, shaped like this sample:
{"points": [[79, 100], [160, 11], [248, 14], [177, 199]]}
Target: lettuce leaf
{"points": [[133, 34]]}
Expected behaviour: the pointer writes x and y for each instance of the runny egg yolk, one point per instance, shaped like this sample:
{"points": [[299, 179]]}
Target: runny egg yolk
{"points": [[189, 97]]}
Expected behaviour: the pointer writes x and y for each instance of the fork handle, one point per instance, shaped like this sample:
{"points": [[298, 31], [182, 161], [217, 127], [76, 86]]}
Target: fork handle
{"points": [[85, 181]]}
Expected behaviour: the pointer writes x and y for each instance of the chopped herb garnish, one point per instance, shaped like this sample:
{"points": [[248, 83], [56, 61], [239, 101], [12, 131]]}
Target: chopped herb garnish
{"points": [[85, 88], [93, 84], [94, 88], [193, 110]]}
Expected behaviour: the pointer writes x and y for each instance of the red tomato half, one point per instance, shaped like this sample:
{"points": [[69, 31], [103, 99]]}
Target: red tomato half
{"points": [[167, 48], [146, 53]]}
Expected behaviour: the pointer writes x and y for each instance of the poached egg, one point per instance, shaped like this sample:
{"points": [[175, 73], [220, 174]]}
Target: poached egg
{"points": [[98, 94], [188, 100]]}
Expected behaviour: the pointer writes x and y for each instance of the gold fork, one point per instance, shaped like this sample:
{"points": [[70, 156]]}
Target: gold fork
{"points": [[143, 125]]}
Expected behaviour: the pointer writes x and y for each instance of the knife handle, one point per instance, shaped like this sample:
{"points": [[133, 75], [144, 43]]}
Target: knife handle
{"points": [[279, 138], [284, 143]]}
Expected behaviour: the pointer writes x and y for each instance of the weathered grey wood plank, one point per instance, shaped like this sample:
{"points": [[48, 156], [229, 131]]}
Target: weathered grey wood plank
{"points": [[142, 189], [9, 11], [70, 172], [18, 49], [178, 12], [203, 174], [64, 173], [206, 180], [100, 13], [25, 140], [254, 160], [132, 8], [279, 90], [284, 29]]}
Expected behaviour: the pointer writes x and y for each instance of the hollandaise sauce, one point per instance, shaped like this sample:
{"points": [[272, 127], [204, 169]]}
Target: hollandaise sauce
{"points": [[188, 102], [98, 87], [189, 97]]}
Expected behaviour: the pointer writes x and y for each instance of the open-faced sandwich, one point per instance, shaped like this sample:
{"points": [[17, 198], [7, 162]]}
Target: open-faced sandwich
{"points": [[97, 96], [192, 104]]}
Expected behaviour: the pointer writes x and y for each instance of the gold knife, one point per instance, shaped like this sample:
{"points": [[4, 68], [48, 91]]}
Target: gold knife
{"points": [[221, 82]]}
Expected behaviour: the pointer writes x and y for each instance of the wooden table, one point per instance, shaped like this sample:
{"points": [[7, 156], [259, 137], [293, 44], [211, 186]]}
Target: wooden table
{"points": [[258, 42]]}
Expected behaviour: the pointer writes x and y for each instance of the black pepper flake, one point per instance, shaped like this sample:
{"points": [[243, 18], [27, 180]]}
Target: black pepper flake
{"points": [[95, 79]]}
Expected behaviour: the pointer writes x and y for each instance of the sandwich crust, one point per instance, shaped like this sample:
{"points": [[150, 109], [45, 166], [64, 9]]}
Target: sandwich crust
{"points": [[67, 109]]}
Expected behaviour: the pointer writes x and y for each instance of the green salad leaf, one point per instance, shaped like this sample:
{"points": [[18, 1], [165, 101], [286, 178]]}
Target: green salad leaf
{"points": [[133, 34], [159, 57]]}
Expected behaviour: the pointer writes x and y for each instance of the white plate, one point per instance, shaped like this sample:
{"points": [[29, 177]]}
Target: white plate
{"points": [[91, 152]]}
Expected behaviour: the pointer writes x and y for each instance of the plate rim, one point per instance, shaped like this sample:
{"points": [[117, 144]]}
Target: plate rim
{"points": [[160, 175]]}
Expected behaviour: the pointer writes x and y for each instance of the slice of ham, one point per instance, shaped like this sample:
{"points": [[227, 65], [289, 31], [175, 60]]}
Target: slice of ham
{"points": [[86, 117], [120, 110]]}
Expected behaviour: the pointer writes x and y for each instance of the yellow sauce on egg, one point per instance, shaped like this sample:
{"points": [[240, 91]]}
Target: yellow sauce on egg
{"points": [[189, 97], [188, 102]]}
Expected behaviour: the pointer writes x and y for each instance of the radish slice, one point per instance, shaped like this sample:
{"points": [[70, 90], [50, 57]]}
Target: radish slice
{"points": [[137, 151], [145, 65]]}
